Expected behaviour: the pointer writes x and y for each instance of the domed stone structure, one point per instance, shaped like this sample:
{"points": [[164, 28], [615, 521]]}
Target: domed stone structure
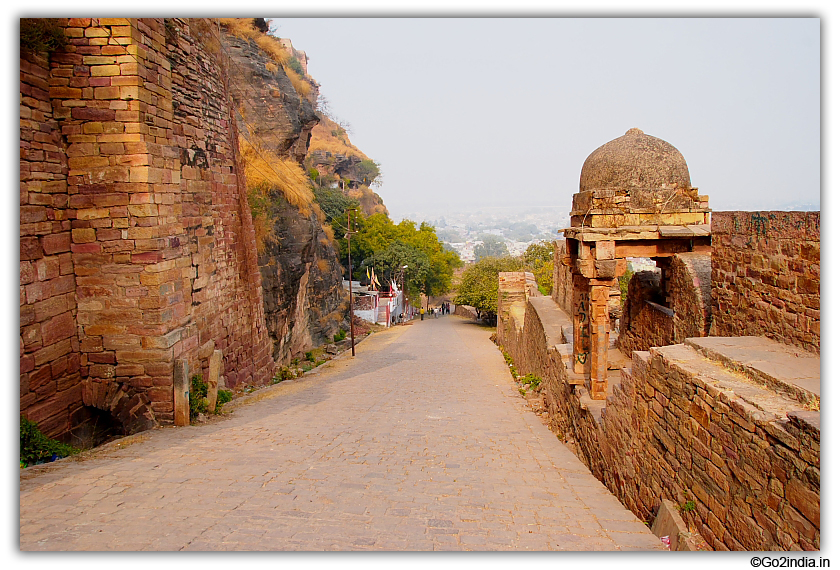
{"points": [[635, 160], [635, 200], [635, 180]]}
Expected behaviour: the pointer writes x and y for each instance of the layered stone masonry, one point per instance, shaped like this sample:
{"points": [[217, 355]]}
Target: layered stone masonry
{"points": [[562, 289], [645, 321], [50, 364], [654, 315], [742, 459], [766, 276], [153, 229]]}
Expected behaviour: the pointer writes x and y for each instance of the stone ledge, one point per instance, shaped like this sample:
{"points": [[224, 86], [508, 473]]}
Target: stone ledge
{"points": [[645, 232], [786, 369], [757, 400]]}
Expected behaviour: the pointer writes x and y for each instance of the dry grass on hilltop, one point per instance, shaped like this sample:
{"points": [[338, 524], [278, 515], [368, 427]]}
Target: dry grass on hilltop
{"points": [[266, 172], [328, 136], [244, 28]]}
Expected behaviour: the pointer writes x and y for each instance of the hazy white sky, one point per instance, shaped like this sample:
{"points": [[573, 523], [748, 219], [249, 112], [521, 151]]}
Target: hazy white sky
{"points": [[474, 112]]}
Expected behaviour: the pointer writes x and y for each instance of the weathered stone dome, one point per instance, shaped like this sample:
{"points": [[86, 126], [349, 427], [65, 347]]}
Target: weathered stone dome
{"points": [[635, 161]]}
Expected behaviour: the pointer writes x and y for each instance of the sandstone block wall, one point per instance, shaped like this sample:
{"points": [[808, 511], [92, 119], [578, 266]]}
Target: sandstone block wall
{"points": [[50, 364], [149, 227], [690, 294], [562, 289], [766, 276], [511, 289], [644, 324], [223, 277], [465, 311], [680, 428]]}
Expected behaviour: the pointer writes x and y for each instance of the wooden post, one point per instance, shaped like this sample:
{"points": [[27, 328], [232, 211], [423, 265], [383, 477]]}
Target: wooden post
{"points": [[350, 281]]}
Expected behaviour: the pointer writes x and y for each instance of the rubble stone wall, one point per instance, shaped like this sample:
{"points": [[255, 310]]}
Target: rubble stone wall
{"points": [[465, 311], [748, 478], [674, 428], [149, 218], [766, 276], [644, 324], [690, 294]]}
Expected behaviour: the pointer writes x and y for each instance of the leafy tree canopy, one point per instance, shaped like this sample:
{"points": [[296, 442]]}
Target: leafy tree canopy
{"points": [[480, 282], [391, 261], [335, 204], [386, 246], [369, 172], [539, 260]]}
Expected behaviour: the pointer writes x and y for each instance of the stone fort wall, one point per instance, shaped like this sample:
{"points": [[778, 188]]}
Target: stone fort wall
{"points": [[742, 459], [766, 276], [137, 247]]}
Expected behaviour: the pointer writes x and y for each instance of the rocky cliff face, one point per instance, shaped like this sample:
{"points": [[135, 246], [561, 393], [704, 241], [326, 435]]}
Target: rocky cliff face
{"points": [[340, 165], [301, 275], [272, 110], [304, 301]]}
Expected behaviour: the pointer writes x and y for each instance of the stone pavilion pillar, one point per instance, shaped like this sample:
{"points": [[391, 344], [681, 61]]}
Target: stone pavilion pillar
{"points": [[581, 341], [599, 327]]}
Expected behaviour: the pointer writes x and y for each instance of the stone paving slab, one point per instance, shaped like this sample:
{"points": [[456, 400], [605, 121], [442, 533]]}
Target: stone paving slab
{"points": [[420, 442]]}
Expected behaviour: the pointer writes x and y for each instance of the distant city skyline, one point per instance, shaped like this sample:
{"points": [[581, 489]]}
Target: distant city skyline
{"points": [[503, 112]]}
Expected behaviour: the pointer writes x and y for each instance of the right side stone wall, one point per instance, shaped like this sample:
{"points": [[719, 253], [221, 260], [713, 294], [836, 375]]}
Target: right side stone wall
{"points": [[741, 460], [766, 276]]}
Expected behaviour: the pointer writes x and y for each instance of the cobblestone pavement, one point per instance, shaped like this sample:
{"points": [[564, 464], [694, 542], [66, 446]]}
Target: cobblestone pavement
{"points": [[420, 442]]}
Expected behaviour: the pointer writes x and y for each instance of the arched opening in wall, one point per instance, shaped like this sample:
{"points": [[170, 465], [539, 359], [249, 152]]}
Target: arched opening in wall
{"points": [[634, 265], [93, 427]]}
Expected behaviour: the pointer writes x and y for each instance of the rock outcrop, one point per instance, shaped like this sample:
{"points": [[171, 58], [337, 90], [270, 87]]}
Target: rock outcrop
{"points": [[301, 275], [271, 110], [300, 272]]}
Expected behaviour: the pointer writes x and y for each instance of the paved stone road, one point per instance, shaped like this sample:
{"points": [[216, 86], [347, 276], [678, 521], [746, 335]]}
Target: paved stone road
{"points": [[418, 443]]}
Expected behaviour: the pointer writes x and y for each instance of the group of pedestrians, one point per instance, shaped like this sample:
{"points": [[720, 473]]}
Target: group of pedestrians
{"points": [[444, 309]]}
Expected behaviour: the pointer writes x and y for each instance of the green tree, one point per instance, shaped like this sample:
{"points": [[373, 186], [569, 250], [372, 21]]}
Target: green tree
{"points": [[389, 263], [379, 240], [335, 204], [480, 284], [491, 246], [539, 260], [623, 284], [369, 173]]}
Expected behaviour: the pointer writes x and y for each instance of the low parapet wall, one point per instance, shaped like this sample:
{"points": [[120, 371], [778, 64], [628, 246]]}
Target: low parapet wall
{"points": [[742, 460], [465, 311], [766, 276]]}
